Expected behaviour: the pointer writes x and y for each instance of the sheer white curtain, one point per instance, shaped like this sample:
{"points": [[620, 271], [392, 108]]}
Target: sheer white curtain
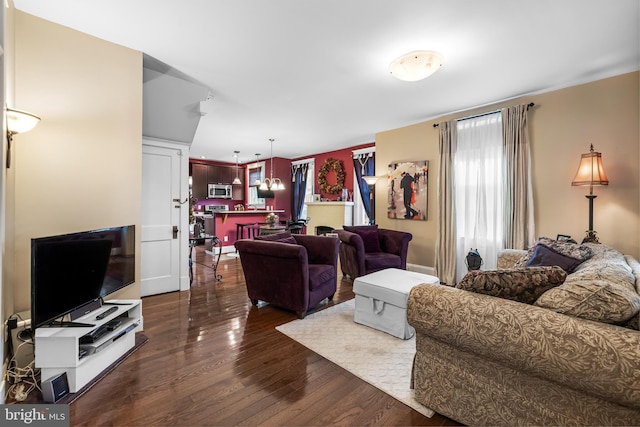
{"points": [[478, 190]]}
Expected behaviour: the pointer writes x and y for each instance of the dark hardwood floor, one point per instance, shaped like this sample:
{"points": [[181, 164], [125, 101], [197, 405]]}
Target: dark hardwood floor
{"points": [[213, 359]]}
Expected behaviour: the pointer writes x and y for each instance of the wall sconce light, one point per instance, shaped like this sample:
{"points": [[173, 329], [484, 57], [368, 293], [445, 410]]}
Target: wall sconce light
{"points": [[18, 122], [590, 172], [371, 183]]}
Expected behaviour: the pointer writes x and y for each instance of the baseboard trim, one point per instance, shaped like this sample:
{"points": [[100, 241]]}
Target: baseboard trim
{"points": [[422, 269]]}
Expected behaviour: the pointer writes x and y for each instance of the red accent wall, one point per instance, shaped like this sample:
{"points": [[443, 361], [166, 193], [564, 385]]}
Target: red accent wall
{"points": [[346, 155]]}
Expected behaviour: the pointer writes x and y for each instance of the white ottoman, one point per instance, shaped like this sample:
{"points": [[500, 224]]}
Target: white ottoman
{"points": [[381, 299]]}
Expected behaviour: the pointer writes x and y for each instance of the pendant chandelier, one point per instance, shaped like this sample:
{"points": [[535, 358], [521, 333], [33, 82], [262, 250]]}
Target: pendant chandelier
{"points": [[271, 183], [236, 181]]}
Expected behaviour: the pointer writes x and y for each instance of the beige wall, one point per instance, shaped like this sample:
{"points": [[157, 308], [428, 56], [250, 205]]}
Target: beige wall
{"points": [[80, 168], [563, 123]]}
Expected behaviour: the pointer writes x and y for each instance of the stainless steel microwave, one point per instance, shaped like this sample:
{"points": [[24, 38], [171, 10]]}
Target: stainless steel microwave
{"points": [[219, 191]]}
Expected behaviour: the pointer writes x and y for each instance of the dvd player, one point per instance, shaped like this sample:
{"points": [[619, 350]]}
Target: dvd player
{"points": [[91, 348]]}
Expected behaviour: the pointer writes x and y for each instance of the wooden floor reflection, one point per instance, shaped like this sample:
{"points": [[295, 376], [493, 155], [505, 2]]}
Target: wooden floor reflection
{"points": [[213, 359]]}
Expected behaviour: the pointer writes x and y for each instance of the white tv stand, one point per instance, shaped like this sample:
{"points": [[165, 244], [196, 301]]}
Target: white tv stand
{"points": [[57, 348]]}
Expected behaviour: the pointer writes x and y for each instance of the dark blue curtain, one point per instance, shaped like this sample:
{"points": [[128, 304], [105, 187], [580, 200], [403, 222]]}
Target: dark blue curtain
{"points": [[299, 185], [365, 165]]}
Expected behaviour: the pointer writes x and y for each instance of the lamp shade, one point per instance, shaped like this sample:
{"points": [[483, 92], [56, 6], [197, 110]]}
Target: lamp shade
{"points": [[590, 171], [19, 121], [370, 180]]}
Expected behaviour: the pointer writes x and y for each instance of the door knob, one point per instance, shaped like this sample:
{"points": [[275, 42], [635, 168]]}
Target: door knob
{"points": [[175, 231]]}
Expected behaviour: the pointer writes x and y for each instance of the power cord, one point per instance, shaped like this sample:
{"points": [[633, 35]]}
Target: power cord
{"points": [[19, 393], [23, 380]]}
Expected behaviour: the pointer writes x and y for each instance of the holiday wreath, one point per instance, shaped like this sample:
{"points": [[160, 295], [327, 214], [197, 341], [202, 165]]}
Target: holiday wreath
{"points": [[331, 165]]}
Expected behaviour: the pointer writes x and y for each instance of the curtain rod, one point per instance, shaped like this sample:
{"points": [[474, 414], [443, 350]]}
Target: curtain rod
{"points": [[529, 105]]}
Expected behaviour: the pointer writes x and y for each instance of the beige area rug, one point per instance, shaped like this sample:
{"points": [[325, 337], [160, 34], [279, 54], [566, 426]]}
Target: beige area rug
{"points": [[378, 358]]}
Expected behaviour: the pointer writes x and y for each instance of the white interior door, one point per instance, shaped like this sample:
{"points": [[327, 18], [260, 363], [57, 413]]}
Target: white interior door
{"points": [[160, 257]]}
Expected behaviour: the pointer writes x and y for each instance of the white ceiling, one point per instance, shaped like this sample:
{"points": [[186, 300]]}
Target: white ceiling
{"points": [[312, 74]]}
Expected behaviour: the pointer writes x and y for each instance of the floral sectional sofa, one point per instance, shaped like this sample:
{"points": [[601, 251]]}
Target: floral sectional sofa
{"points": [[563, 348]]}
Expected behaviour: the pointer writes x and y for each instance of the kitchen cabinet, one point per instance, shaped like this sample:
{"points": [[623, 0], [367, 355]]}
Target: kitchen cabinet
{"points": [[199, 180], [204, 174], [220, 174]]}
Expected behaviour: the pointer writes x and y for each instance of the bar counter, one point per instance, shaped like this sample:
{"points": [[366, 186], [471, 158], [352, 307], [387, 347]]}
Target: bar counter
{"points": [[223, 223]]}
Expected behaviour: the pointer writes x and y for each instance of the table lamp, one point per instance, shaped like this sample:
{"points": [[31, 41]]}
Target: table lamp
{"points": [[590, 172]]}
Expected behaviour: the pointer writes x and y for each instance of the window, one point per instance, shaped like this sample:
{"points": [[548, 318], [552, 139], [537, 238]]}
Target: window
{"points": [[478, 189], [309, 190], [360, 216], [302, 195], [256, 172]]}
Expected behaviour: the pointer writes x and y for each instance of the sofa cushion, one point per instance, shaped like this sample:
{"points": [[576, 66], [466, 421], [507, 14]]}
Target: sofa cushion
{"points": [[517, 284], [601, 289], [544, 255], [370, 236], [574, 250], [380, 260]]}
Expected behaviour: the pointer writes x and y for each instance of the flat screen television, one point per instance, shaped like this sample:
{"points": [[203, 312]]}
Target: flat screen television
{"points": [[74, 270], [265, 194]]}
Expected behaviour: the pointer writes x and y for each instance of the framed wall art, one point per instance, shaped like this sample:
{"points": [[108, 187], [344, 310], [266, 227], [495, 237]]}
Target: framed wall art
{"points": [[407, 198]]}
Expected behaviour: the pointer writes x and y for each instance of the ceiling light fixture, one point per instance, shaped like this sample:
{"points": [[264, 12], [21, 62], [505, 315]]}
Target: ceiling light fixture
{"points": [[236, 181], [18, 121], [416, 65], [271, 183]]}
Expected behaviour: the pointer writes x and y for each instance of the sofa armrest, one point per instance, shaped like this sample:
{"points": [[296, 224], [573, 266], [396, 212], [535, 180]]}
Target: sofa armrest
{"points": [[350, 238], [395, 242], [320, 249], [597, 358], [507, 258]]}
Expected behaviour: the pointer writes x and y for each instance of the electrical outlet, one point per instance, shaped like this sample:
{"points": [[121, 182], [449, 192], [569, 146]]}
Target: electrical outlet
{"points": [[226, 238]]}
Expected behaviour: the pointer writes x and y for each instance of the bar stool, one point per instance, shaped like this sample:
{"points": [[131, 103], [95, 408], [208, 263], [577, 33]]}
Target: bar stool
{"points": [[240, 230], [253, 230]]}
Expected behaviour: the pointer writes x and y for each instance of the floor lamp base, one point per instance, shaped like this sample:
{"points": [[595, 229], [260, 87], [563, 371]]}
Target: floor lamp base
{"points": [[590, 237]]}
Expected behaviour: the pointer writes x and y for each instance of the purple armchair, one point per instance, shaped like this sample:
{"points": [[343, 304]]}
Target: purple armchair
{"points": [[295, 272], [367, 248]]}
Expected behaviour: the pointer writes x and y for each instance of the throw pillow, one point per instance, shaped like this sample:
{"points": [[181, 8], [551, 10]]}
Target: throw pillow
{"points": [[602, 290], [544, 255], [574, 250], [276, 236], [289, 239], [369, 235], [518, 284], [371, 241]]}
